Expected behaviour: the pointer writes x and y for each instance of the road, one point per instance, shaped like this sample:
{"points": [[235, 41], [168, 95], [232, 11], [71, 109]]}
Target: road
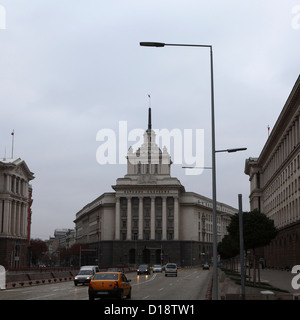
{"points": [[190, 284]]}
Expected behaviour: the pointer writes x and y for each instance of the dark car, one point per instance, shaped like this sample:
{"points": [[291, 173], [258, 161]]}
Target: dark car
{"points": [[205, 266], [143, 269]]}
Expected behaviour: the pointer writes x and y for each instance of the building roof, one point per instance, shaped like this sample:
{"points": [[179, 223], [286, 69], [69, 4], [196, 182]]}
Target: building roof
{"points": [[14, 162], [287, 114]]}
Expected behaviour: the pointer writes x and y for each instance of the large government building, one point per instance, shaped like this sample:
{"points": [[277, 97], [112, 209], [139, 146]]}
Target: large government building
{"points": [[275, 183], [149, 218], [15, 212]]}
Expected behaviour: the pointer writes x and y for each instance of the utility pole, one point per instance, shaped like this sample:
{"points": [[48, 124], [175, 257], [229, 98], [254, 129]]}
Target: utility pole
{"points": [[242, 247]]}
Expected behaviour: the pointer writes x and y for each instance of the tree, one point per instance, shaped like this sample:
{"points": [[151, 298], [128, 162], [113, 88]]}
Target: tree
{"points": [[38, 250], [258, 231], [228, 248]]}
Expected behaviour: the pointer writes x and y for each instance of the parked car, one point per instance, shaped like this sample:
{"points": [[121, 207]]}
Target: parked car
{"points": [[85, 274], [205, 266], [109, 284], [157, 268], [143, 269], [171, 269]]}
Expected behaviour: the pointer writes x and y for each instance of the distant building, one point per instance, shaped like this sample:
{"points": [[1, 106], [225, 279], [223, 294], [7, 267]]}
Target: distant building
{"points": [[63, 239], [15, 212], [150, 218], [275, 183]]}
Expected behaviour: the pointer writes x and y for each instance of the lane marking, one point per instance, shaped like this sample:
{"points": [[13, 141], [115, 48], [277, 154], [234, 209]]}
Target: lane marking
{"points": [[38, 297]]}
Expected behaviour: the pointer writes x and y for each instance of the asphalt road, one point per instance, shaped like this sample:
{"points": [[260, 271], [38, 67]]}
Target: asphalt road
{"points": [[190, 284]]}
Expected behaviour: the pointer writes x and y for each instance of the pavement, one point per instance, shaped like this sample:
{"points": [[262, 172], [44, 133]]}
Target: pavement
{"points": [[229, 290]]}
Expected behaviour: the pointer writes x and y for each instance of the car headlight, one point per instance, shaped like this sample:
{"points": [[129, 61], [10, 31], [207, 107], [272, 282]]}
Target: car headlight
{"points": [[76, 278]]}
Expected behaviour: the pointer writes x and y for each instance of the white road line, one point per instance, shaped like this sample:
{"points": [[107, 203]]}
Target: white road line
{"points": [[39, 297], [151, 279], [160, 289]]}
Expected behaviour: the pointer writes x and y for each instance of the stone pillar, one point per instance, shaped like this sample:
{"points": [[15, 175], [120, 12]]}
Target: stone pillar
{"points": [[12, 218], [117, 219], [141, 229], [152, 235], [17, 219], [24, 223], [129, 219], [176, 218], [164, 218], [6, 215]]}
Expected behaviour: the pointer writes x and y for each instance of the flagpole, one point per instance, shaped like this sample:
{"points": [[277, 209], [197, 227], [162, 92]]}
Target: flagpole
{"points": [[12, 144]]}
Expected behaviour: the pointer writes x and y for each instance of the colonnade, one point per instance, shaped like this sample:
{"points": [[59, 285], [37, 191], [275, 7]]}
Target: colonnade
{"points": [[13, 218], [147, 218]]}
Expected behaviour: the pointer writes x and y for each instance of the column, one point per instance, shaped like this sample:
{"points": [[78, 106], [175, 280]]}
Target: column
{"points": [[25, 220], [141, 229], [7, 183], [21, 220], [176, 218], [17, 219], [5, 206], [164, 218], [117, 219], [152, 235], [12, 218], [129, 219]]}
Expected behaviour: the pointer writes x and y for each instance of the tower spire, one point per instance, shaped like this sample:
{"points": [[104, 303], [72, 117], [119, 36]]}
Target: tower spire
{"points": [[149, 119], [149, 114]]}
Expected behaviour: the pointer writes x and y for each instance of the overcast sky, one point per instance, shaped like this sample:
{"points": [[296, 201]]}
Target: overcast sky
{"points": [[69, 68]]}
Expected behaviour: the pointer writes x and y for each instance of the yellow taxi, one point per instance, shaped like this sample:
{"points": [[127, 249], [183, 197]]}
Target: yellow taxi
{"points": [[109, 284]]}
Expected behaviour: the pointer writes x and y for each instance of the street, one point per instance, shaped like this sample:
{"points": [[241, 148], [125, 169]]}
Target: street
{"points": [[190, 284]]}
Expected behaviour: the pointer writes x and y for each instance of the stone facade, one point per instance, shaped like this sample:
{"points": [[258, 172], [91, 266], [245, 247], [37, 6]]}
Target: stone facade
{"points": [[150, 216], [275, 183], [15, 212]]}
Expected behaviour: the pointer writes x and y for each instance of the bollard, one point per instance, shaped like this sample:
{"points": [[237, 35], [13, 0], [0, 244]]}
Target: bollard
{"points": [[267, 295], [2, 278]]}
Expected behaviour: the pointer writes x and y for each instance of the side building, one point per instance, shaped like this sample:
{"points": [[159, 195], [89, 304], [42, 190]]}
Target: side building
{"points": [[275, 183], [15, 212], [150, 218]]}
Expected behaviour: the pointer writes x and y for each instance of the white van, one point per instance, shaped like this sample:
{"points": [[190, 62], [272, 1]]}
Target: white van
{"points": [[85, 274]]}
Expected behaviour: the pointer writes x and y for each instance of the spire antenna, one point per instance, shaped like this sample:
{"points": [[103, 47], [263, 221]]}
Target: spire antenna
{"points": [[149, 114]]}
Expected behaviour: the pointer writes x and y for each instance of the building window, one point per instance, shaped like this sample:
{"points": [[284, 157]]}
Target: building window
{"points": [[147, 223], [170, 223], [158, 212], [158, 223], [170, 236], [134, 236]]}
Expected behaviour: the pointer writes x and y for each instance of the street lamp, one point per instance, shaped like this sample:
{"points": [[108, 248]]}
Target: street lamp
{"points": [[215, 259], [214, 196]]}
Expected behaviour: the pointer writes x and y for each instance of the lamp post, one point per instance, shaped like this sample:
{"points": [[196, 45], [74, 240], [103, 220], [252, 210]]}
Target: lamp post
{"points": [[215, 259]]}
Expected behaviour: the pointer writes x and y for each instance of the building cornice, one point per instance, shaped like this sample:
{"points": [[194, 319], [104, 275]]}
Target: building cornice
{"points": [[283, 122]]}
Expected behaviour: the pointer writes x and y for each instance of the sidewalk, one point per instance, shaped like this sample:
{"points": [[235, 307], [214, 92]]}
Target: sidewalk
{"points": [[229, 290]]}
